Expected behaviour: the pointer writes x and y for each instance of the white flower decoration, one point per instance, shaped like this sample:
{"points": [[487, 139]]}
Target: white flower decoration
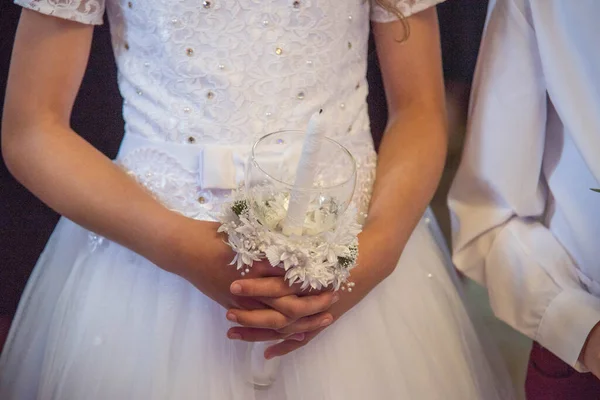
{"points": [[323, 258]]}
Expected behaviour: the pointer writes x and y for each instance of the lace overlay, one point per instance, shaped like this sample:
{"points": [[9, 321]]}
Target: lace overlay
{"points": [[406, 7], [84, 11]]}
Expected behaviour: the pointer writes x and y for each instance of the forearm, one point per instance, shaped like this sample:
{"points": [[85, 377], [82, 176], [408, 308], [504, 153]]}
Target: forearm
{"points": [[79, 182], [532, 281], [411, 160]]}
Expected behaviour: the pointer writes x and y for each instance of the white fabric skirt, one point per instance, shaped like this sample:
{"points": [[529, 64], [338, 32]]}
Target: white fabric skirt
{"points": [[109, 325]]}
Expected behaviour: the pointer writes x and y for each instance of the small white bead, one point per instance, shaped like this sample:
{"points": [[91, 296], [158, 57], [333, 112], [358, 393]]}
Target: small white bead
{"points": [[429, 275]]}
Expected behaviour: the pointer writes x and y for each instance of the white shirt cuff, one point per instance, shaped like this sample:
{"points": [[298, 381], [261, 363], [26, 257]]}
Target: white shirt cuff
{"points": [[566, 324]]}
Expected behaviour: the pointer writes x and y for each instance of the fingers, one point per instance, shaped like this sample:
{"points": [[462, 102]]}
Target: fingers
{"points": [[285, 311], [296, 307], [294, 331], [287, 346], [269, 319], [246, 303], [263, 287], [261, 335], [308, 324]]}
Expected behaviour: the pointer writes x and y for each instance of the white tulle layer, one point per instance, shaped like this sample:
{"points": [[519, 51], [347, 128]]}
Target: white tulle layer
{"points": [[109, 325]]}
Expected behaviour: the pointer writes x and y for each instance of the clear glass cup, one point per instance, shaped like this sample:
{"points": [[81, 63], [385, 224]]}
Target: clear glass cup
{"points": [[269, 183], [271, 173]]}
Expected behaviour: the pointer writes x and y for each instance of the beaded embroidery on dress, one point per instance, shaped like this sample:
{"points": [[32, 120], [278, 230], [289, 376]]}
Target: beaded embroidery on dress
{"points": [[202, 80]]}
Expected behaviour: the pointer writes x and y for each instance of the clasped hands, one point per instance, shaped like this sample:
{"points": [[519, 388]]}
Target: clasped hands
{"points": [[262, 304], [278, 311]]}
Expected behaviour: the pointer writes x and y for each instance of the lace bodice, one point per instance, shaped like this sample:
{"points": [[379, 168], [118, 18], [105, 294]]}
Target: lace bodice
{"points": [[201, 73]]}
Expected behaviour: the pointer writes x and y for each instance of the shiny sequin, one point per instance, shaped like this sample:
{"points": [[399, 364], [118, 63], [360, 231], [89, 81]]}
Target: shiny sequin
{"points": [[187, 110], [189, 51], [265, 22], [201, 200], [191, 139], [139, 92], [210, 95], [300, 95], [280, 141], [349, 17], [126, 45], [342, 106], [129, 4], [206, 4], [221, 67], [268, 114], [296, 4], [278, 51]]}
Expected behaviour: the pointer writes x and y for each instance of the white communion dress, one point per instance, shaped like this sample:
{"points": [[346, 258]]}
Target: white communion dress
{"points": [[202, 80]]}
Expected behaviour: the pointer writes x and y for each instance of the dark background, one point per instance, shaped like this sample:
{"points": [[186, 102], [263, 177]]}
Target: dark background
{"points": [[26, 223]]}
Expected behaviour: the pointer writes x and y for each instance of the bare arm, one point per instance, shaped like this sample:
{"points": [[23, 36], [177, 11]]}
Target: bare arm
{"points": [[56, 164], [413, 149]]}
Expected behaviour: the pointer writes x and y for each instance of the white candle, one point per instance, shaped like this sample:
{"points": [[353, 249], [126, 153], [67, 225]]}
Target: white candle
{"points": [[305, 175]]}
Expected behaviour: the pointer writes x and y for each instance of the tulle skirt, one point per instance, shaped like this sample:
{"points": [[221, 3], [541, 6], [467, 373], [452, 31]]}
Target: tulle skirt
{"points": [[109, 325]]}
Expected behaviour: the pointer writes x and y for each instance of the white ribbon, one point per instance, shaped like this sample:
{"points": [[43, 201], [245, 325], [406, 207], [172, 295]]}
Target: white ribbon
{"points": [[217, 167]]}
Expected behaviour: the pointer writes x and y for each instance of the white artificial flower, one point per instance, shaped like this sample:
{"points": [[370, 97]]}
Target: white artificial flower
{"points": [[311, 260]]}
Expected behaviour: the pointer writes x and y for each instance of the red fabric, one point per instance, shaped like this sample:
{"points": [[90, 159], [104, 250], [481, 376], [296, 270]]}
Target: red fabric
{"points": [[549, 378]]}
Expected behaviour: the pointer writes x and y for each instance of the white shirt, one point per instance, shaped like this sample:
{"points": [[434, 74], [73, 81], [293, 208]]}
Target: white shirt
{"points": [[525, 221]]}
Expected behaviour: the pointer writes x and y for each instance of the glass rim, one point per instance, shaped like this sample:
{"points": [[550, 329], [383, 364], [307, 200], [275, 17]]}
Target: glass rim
{"points": [[353, 174]]}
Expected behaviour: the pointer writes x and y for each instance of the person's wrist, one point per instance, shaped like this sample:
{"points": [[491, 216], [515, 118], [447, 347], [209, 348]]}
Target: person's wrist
{"points": [[172, 245], [590, 353], [377, 258]]}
